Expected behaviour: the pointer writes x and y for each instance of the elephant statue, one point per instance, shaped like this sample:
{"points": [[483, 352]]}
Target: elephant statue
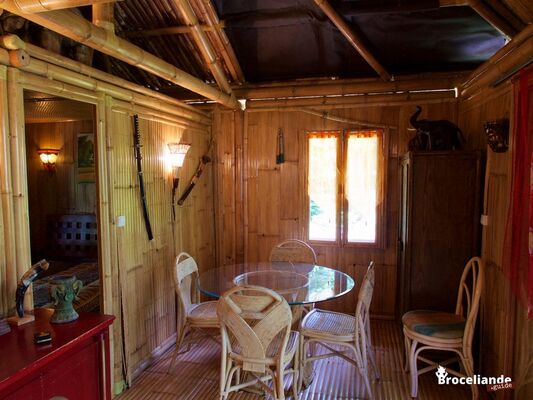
{"points": [[438, 135]]}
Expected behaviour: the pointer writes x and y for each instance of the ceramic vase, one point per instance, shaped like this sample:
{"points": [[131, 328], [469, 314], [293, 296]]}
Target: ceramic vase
{"points": [[63, 290]]}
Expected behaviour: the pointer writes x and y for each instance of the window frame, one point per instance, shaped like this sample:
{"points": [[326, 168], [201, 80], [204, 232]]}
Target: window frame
{"points": [[341, 239]]}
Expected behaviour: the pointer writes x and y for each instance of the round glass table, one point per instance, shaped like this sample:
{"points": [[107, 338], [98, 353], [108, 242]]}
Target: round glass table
{"points": [[298, 283]]}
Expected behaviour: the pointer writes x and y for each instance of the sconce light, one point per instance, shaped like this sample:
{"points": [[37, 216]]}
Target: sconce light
{"points": [[48, 158], [497, 135], [178, 151]]}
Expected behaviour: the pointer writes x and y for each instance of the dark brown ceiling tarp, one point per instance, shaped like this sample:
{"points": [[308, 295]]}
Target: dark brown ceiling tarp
{"points": [[290, 39]]}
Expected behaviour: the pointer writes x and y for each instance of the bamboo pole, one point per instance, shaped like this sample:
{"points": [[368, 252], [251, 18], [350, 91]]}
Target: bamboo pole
{"points": [[328, 116], [352, 101], [19, 178], [354, 40], [79, 29], [492, 18], [6, 191], [68, 71], [37, 6], [349, 87], [516, 54], [103, 16], [221, 40], [170, 30], [203, 44]]}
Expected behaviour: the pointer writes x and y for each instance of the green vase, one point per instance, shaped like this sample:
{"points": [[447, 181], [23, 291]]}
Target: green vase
{"points": [[63, 290]]}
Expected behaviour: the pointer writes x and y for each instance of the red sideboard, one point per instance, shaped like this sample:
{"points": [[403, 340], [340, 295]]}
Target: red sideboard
{"points": [[74, 366]]}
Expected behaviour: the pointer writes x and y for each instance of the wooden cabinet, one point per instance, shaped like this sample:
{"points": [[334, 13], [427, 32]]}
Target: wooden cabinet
{"points": [[74, 366], [439, 229]]}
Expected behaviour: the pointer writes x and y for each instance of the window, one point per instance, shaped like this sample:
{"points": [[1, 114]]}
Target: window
{"points": [[346, 187]]}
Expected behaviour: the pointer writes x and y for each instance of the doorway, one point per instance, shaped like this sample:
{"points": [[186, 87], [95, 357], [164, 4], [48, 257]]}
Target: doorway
{"points": [[62, 194]]}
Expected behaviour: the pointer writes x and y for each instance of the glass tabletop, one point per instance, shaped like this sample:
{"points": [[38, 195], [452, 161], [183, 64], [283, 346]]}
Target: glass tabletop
{"points": [[299, 283]]}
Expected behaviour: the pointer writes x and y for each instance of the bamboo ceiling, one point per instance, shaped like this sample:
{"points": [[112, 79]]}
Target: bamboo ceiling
{"points": [[275, 40]]}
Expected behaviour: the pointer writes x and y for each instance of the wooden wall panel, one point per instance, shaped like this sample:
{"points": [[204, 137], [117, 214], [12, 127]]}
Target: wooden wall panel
{"points": [[274, 195]]}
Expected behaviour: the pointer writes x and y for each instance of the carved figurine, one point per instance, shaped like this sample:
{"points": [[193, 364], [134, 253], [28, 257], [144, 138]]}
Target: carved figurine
{"points": [[497, 135], [438, 135], [25, 281]]}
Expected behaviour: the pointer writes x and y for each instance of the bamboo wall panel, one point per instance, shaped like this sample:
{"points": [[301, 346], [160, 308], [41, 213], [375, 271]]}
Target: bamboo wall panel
{"points": [[506, 334], [274, 195], [58, 192], [146, 268]]}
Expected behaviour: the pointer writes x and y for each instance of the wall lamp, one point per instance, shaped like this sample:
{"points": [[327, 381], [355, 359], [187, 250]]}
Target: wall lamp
{"points": [[48, 158], [178, 151]]}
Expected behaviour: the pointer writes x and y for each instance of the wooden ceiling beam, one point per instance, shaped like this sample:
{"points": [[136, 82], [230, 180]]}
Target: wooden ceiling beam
{"points": [[79, 29], [354, 40], [485, 12], [37, 6], [204, 45], [171, 30], [222, 42]]}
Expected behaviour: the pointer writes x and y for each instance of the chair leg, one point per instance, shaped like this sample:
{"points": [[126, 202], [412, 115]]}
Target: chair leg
{"points": [[407, 346], [179, 342], [413, 368], [370, 351], [302, 362], [296, 374], [280, 392], [468, 365]]}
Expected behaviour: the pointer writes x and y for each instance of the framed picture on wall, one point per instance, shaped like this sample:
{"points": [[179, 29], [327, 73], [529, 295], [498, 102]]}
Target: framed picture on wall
{"points": [[86, 167]]}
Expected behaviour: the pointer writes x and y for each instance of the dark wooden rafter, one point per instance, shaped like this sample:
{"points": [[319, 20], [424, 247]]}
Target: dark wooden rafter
{"points": [[353, 38]]}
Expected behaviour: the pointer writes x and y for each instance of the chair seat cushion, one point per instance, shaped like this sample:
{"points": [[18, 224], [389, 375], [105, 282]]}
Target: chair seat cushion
{"points": [[435, 324], [323, 322], [204, 314]]}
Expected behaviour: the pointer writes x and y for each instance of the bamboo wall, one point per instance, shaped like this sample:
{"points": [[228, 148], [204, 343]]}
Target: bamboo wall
{"points": [[260, 203], [135, 274], [58, 192], [506, 336], [144, 270]]}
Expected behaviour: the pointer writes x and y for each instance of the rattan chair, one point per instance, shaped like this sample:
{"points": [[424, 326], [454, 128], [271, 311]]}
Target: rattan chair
{"points": [[433, 330], [334, 330], [293, 250], [257, 341], [193, 316]]}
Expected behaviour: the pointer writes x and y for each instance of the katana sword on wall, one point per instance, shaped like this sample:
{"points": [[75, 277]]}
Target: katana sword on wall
{"points": [[138, 157]]}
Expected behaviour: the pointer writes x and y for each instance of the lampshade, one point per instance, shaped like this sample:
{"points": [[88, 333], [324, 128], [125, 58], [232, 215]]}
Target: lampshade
{"points": [[48, 158], [177, 153]]}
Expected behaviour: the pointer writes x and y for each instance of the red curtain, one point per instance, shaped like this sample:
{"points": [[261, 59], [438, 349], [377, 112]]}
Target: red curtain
{"points": [[519, 238]]}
